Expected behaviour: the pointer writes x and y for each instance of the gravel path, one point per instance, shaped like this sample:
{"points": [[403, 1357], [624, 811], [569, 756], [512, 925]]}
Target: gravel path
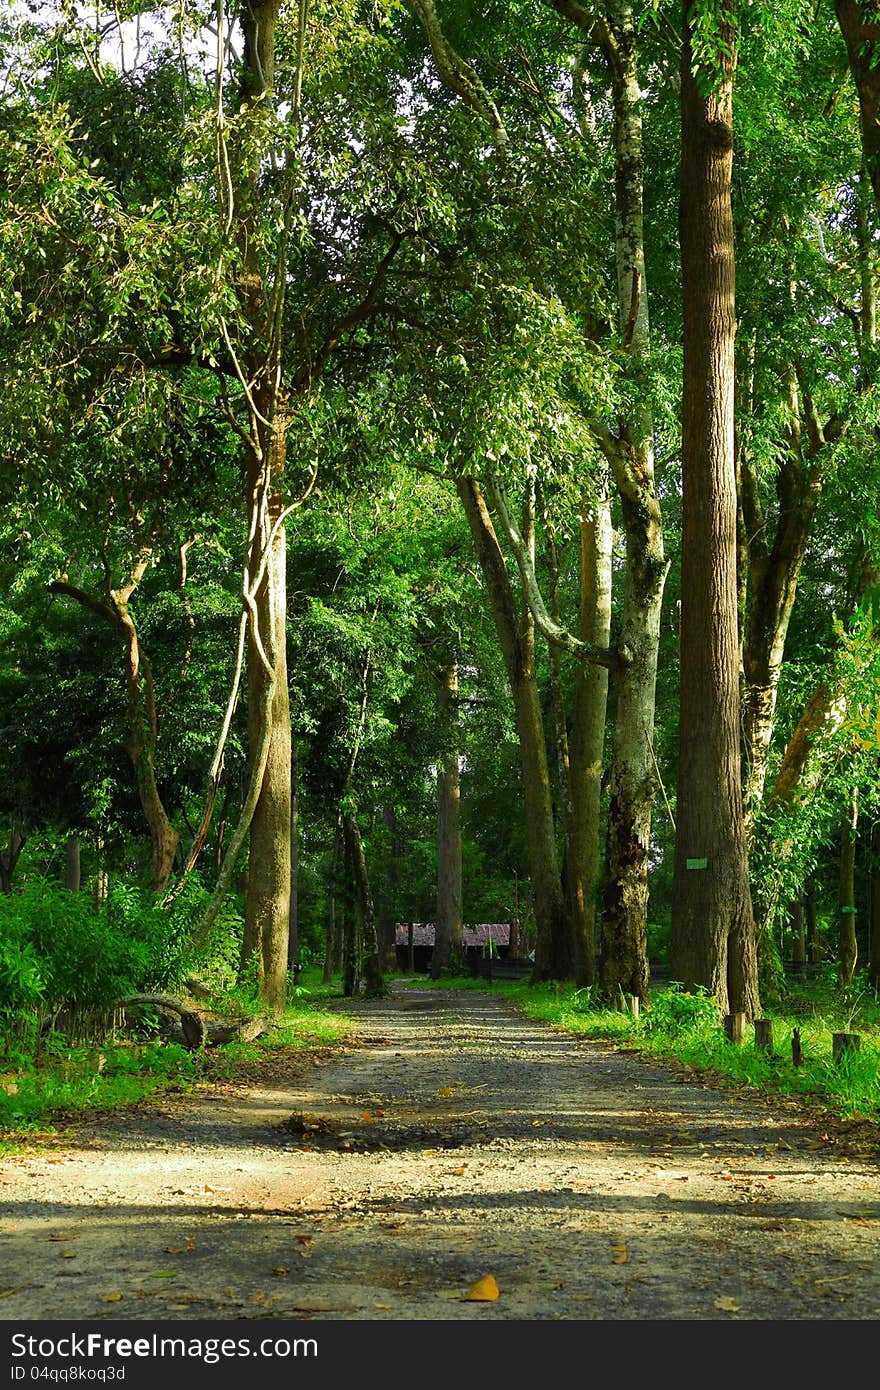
{"points": [[458, 1139]]}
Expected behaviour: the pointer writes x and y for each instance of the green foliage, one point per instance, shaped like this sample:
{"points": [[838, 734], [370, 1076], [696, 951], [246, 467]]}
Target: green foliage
{"points": [[676, 1012], [60, 953]]}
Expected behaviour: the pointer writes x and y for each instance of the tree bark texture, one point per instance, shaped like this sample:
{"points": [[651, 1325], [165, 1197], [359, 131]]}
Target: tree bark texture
{"points": [[848, 950], [874, 943], [293, 911], [553, 945], [365, 933], [633, 774], [587, 741], [267, 899], [447, 920], [773, 571], [713, 937]]}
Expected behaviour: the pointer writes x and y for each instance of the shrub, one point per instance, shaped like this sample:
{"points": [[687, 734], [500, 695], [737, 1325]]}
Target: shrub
{"points": [[675, 1012]]}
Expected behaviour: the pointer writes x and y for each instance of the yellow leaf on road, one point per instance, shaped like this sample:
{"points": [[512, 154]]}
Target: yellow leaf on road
{"points": [[620, 1255], [485, 1290], [727, 1305], [112, 1297]]}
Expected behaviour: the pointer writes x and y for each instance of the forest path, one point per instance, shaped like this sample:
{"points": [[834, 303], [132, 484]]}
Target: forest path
{"points": [[458, 1139]]}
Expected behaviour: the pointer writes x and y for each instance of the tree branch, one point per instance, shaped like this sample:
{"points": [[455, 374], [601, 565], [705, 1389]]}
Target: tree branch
{"points": [[559, 636], [457, 74]]}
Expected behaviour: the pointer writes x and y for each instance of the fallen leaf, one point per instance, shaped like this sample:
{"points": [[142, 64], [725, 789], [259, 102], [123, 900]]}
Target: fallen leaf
{"points": [[280, 1270], [163, 1274], [4, 1293], [727, 1305], [384, 1306], [485, 1290], [112, 1297], [172, 1250], [304, 1240], [68, 1254], [456, 1172], [620, 1256]]}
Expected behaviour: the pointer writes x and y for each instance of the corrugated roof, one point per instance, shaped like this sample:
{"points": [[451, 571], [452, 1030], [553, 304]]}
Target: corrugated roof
{"points": [[477, 935]]}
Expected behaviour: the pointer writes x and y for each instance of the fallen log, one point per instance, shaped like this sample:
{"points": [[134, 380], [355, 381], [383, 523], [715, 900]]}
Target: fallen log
{"points": [[191, 1023], [196, 1030]]}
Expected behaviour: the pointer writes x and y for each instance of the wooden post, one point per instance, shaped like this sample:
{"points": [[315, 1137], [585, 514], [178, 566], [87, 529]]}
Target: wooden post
{"points": [[842, 1043], [632, 1001], [764, 1034], [735, 1028], [797, 1052]]}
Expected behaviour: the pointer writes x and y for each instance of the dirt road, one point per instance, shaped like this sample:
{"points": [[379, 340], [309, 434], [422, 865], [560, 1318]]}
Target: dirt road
{"points": [[457, 1140]]}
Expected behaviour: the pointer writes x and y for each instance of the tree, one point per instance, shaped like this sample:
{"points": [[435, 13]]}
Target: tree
{"points": [[713, 940]]}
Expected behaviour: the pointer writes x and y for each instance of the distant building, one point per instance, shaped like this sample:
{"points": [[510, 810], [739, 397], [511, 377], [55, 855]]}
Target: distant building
{"points": [[475, 941]]}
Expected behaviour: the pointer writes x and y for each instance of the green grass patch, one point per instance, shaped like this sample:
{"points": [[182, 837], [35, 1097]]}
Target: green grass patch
{"points": [[59, 1082]]}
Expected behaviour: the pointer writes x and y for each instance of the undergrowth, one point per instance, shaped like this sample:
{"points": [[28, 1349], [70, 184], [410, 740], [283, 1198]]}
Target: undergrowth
{"points": [[47, 1080]]}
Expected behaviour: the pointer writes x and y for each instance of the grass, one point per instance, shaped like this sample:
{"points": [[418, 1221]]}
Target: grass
{"points": [[687, 1029], [43, 1086], [64, 1081]]}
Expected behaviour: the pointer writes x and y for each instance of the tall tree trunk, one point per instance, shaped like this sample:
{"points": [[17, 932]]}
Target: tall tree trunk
{"points": [[10, 855], [798, 935], [267, 899], [72, 865], [713, 937], [143, 729], [631, 455], [447, 921], [293, 912], [332, 952], [773, 573], [633, 774], [365, 935], [553, 945], [848, 950], [588, 715], [814, 946], [579, 761], [874, 946], [386, 922]]}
